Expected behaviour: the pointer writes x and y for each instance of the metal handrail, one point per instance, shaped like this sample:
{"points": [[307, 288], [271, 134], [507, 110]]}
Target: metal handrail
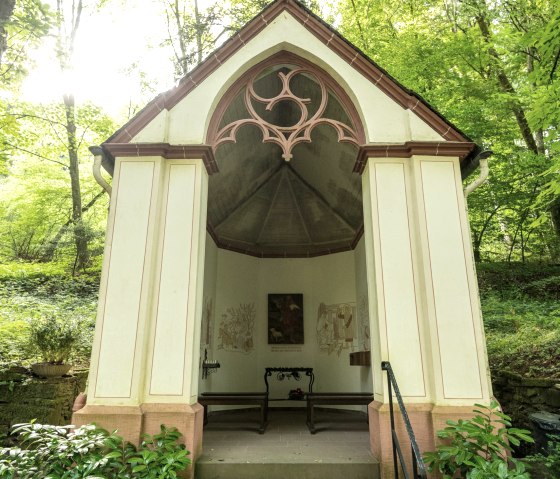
{"points": [[418, 466]]}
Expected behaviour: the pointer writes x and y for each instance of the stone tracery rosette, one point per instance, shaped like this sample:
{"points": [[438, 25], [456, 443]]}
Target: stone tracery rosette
{"points": [[286, 137]]}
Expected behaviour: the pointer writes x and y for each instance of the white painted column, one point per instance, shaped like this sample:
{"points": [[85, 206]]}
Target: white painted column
{"points": [[396, 313], [457, 343], [116, 372], [174, 338], [144, 368]]}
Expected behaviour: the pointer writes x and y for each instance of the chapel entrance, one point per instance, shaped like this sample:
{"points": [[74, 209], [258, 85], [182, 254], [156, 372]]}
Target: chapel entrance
{"points": [[301, 201], [285, 268]]}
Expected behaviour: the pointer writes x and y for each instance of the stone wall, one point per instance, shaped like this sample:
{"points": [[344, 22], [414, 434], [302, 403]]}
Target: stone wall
{"points": [[24, 397], [519, 396]]}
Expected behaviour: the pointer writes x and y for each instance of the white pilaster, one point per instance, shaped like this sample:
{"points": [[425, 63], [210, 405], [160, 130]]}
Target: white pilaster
{"points": [[173, 343], [457, 344], [116, 372], [397, 321]]}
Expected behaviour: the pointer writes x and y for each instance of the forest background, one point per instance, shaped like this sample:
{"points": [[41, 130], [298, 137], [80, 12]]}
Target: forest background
{"points": [[492, 67]]}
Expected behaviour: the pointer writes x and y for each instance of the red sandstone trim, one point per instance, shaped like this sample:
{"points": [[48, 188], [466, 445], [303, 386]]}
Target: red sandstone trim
{"points": [[325, 34], [165, 150], [410, 148], [255, 254], [356, 135]]}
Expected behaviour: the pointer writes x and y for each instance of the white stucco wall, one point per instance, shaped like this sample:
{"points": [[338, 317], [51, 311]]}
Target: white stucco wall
{"points": [[151, 288], [383, 119], [426, 318], [364, 309], [244, 279], [208, 308]]}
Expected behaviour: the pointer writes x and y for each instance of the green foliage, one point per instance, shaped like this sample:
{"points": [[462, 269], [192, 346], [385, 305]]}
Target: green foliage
{"points": [[30, 22], [530, 352], [14, 341], [54, 338], [521, 317], [516, 280], [481, 64], [522, 335], [550, 459], [478, 448], [91, 452], [29, 292], [35, 197]]}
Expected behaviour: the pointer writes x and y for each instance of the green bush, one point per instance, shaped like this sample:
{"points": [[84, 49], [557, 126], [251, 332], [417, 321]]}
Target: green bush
{"points": [[89, 452], [14, 341], [514, 280], [530, 352], [523, 335], [54, 339], [550, 460], [29, 292], [478, 449]]}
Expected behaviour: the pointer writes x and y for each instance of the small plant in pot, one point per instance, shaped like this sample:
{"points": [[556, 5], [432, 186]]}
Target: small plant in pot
{"points": [[54, 339]]}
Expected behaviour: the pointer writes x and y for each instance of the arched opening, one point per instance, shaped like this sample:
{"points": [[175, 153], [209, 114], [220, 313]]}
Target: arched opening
{"points": [[286, 220], [285, 138]]}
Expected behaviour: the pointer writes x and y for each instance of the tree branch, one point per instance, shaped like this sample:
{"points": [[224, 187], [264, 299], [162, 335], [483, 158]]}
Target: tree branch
{"points": [[36, 154]]}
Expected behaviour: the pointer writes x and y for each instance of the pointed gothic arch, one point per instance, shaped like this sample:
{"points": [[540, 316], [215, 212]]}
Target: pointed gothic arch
{"points": [[286, 136]]}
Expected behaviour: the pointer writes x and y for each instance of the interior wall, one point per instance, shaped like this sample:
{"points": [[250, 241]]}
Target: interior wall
{"points": [[363, 310], [208, 309], [239, 330]]}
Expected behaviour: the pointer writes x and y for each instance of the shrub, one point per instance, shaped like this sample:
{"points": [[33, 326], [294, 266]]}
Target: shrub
{"points": [[14, 341], [523, 336], [512, 280], [29, 292], [478, 448], [91, 452], [530, 352], [53, 338], [550, 460]]}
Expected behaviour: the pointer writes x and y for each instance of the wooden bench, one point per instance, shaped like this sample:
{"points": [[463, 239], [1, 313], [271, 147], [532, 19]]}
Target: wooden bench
{"points": [[333, 399], [235, 399]]}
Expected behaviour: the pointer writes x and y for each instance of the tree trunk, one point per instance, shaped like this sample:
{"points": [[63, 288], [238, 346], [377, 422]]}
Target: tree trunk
{"points": [[476, 250], [50, 249], [80, 238], [199, 29], [507, 87], [555, 217], [6, 11], [535, 143]]}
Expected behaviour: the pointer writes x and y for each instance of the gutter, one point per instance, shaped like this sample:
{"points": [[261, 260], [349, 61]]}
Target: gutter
{"points": [[98, 161], [482, 160]]}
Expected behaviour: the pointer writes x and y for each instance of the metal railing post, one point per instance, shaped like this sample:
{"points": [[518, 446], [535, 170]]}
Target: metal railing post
{"points": [[418, 467]]}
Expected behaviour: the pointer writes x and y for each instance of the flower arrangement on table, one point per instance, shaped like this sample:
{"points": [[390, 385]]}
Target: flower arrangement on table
{"points": [[296, 394]]}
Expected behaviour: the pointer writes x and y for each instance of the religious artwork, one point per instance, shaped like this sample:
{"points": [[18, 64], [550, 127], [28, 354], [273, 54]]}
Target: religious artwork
{"points": [[207, 326], [235, 332], [285, 318], [363, 323], [336, 327]]}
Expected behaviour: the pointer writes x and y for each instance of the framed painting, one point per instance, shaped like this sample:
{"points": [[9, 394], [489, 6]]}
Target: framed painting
{"points": [[285, 318]]}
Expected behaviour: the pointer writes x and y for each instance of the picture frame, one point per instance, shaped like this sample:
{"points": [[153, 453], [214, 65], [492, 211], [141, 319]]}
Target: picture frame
{"points": [[285, 318]]}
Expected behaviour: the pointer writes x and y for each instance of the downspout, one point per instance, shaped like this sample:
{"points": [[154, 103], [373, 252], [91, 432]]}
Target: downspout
{"points": [[482, 158], [98, 156]]}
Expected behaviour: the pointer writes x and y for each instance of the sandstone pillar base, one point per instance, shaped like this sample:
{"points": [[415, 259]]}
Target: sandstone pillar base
{"points": [[131, 422], [380, 433], [127, 420], [426, 420]]}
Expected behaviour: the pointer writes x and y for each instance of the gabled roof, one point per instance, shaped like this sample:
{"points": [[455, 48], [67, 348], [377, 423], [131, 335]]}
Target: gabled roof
{"points": [[259, 204], [327, 35]]}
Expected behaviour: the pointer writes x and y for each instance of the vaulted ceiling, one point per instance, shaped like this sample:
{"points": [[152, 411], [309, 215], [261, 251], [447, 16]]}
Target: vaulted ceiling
{"points": [[263, 205]]}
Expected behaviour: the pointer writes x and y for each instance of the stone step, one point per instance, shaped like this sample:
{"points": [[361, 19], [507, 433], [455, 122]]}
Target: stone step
{"points": [[211, 469], [233, 449]]}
